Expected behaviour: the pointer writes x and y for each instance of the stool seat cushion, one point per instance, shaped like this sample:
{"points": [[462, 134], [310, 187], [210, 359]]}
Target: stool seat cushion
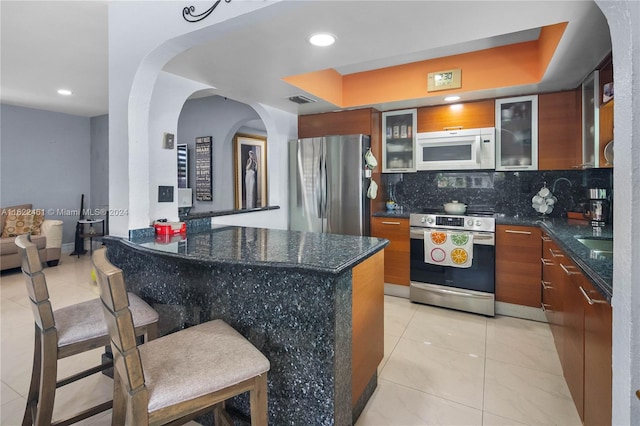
{"points": [[85, 321], [197, 361]]}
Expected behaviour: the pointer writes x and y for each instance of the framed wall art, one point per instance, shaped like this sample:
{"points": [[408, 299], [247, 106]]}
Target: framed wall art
{"points": [[204, 189], [250, 167]]}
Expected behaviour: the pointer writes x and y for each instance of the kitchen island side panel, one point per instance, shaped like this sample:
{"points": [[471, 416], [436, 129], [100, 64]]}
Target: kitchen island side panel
{"points": [[301, 321]]}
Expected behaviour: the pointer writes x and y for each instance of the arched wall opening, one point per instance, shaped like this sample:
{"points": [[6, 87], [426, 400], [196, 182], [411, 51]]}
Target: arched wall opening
{"points": [[220, 118]]}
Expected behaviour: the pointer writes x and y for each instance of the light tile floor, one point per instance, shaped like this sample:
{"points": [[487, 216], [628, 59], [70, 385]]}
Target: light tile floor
{"points": [[440, 367], [444, 367]]}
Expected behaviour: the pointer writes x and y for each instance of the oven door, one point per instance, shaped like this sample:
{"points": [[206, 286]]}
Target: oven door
{"points": [[479, 277]]}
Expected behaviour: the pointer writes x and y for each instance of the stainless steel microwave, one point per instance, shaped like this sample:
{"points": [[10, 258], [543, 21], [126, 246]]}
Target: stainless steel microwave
{"points": [[465, 149]]}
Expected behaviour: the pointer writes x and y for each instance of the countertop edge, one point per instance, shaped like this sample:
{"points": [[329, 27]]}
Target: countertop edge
{"points": [[337, 270], [210, 214]]}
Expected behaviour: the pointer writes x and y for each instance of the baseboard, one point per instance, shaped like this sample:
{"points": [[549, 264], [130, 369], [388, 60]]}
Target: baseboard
{"points": [[396, 290], [68, 248], [518, 311]]}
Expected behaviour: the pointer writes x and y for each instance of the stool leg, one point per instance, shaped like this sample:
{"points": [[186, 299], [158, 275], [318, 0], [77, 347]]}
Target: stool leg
{"points": [[258, 398], [32, 396], [119, 412], [48, 374]]}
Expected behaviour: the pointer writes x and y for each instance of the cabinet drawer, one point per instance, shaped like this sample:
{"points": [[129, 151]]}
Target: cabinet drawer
{"points": [[520, 236], [394, 230]]}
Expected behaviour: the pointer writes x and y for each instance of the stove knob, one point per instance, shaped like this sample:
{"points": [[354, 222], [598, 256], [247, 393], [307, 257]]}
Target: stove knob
{"points": [[470, 222], [478, 222], [430, 220]]}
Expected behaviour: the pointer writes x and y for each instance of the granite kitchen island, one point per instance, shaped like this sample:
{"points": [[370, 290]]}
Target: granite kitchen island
{"points": [[311, 303]]}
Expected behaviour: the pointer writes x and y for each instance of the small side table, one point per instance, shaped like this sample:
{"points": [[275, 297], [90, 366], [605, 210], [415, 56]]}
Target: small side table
{"points": [[90, 231]]}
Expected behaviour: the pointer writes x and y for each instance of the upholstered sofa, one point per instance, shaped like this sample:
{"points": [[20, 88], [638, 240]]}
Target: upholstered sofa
{"points": [[45, 233]]}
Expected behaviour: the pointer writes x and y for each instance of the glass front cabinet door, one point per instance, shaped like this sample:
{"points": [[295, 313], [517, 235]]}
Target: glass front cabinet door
{"points": [[517, 133], [398, 141], [590, 120]]}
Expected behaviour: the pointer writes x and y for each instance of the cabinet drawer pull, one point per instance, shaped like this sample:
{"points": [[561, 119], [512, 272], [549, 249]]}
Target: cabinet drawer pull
{"points": [[546, 262], [567, 271], [546, 285], [391, 223], [545, 307], [556, 253], [590, 300], [545, 238], [511, 231]]}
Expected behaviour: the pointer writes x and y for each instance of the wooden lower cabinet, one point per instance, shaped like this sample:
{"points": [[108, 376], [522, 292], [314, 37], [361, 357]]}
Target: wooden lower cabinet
{"points": [[597, 358], [552, 290], [518, 267], [581, 322], [396, 254], [367, 336], [573, 334]]}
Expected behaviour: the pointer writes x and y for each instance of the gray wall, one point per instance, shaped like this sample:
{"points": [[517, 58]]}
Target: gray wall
{"points": [[99, 162], [44, 160], [220, 118]]}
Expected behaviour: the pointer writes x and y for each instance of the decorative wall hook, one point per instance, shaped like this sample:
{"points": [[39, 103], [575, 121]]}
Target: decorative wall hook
{"points": [[189, 15]]}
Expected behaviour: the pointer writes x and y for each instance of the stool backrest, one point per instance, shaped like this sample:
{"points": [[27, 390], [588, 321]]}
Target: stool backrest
{"points": [[115, 303], [36, 283]]}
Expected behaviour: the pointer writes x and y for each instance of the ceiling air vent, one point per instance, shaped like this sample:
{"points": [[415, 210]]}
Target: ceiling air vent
{"points": [[301, 99]]}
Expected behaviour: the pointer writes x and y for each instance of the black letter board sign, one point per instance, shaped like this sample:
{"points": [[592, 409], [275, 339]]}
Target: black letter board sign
{"points": [[203, 169]]}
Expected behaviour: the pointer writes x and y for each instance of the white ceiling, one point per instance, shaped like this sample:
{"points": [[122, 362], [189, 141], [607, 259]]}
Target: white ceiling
{"points": [[47, 45]]}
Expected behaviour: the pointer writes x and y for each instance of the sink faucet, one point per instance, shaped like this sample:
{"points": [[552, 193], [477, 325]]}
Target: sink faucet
{"points": [[553, 187]]}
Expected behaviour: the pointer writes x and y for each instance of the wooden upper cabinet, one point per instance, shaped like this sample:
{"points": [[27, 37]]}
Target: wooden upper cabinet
{"points": [[560, 130], [468, 115], [352, 122]]}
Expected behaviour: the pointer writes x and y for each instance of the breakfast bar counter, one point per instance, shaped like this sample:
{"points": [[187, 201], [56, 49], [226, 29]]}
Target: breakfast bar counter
{"points": [[311, 303]]}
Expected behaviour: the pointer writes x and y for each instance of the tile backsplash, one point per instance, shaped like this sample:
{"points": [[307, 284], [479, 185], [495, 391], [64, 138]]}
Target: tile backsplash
{"points": [[507, 192]]}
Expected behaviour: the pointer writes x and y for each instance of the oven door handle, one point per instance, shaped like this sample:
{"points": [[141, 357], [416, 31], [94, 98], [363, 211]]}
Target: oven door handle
{"points": [[418, 234]]}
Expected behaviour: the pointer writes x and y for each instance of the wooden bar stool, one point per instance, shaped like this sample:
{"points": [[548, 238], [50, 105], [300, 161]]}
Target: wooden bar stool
{"points": [[65, 332], [182, 375]]}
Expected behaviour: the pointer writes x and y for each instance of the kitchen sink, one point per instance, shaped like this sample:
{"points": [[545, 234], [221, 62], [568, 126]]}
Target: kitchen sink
{"points": [[601, 248]]}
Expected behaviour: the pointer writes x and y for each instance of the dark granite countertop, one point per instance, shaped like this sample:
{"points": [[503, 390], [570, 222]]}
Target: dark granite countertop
{"points": [[563, 231], [326, 253], [598, 269]]}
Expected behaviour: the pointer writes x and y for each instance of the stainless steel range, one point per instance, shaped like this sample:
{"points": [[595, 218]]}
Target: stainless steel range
{"points": [[435, 281]]}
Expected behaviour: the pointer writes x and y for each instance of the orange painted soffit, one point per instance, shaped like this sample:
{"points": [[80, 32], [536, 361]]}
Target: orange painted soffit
{"points": [[504, 66]]}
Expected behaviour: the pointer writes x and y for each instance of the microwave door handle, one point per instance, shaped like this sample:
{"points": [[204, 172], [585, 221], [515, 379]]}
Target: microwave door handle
{"points": [[478, 149]]}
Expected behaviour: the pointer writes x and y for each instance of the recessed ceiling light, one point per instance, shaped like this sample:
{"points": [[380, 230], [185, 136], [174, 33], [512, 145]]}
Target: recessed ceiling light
{"points": [[322, 39], [451, 98], [64, 92]]}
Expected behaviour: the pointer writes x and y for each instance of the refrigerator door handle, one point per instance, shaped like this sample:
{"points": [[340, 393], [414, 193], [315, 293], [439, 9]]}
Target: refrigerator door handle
{"points": [[318, 188], [323, 189]]}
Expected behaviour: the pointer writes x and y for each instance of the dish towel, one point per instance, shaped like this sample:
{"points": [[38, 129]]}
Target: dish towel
{"points": [[448, 248]]}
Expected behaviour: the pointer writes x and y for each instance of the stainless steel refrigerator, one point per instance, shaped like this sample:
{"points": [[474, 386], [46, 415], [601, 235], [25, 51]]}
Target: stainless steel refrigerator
{"points": [[327, 185]]}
